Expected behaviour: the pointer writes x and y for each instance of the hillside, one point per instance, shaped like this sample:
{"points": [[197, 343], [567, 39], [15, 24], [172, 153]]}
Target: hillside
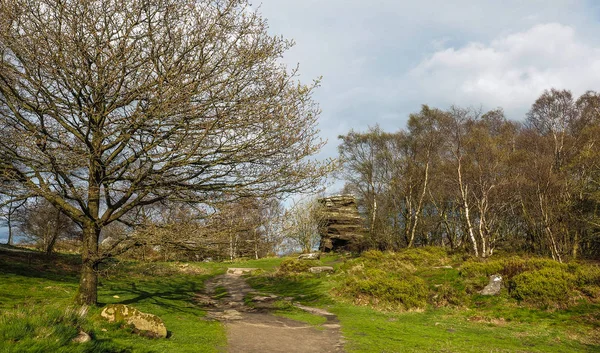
{"points": [[422, 300]]}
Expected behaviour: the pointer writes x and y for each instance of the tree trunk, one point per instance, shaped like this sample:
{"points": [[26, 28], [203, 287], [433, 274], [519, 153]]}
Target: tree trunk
{"points": [[464, 195], [10, 233], [419, 205], [54, 236], [88, 283]]}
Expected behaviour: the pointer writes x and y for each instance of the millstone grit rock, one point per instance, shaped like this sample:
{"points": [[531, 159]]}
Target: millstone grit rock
{"points": [[149, 324], [494, 286], [320, 269], [343, 227], [240, 271], [310, 256], [82, 337]]}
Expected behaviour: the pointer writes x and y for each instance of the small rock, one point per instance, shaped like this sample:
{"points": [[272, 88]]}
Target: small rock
{"points": [[150, 324], [310, 256], [240, 271], [226, 315], [446, 267], [259, 298], [104, 330], [494, 286], [82, 337], [320, 269], [116, 296]]}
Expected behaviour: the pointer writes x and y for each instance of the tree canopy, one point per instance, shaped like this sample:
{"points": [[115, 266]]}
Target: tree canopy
{"points": [[107, 106]]}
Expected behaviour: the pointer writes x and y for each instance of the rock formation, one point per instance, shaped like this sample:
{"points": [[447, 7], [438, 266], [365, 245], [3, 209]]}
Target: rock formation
{"points": [[310, 256], [148, 324], [342, 225], [494, 286]]}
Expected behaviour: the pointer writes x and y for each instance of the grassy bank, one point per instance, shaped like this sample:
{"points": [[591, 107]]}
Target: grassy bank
{"points": [[422, 300], [36, 312], [426, 300]]}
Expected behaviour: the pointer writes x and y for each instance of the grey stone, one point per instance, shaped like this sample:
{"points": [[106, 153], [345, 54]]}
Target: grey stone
{"points": [[82, 337], [494, 286], [321, 269], [149, 324], [310, 256], [343, 228], [240, 271]]}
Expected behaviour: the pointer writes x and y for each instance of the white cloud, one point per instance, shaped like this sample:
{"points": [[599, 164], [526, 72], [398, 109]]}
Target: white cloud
{"points": [[510, 71]]}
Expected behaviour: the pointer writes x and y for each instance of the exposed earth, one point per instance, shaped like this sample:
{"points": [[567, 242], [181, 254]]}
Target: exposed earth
{"points": [[252, 328]]}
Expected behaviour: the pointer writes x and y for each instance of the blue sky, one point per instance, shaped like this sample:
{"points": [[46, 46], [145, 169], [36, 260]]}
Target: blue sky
{"points": [[381, 59]]}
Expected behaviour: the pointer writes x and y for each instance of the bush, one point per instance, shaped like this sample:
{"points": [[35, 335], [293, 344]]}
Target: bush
{"points": [[294, 266], [446, 295], [423, 256], [475, 268], [384, 289], [544, 287], [507, 267]]}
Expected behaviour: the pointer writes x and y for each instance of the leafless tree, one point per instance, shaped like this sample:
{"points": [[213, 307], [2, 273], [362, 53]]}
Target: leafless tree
{"points": [[45, 225], [112, 105], [302, 224]]}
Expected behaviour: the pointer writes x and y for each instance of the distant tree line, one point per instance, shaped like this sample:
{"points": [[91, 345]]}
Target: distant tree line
{"points": [[466, 179]]}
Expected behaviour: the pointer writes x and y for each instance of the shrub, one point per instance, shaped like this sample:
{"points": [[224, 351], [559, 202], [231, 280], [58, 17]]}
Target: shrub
{"points": [[423, 256], [294, 266], [545, 287], [508, 267], [384, 289], [475, 268], [373, 255], [446, 294]]}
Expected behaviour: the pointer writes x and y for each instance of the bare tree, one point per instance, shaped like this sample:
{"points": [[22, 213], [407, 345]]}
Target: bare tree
{"points": [[302, 224], [45, 225], [113, 105]]}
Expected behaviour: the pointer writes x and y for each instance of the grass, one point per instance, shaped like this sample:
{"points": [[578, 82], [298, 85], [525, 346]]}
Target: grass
{"points": [[36, 312], [456, 318], [287, 310], [33, 294], [452, 330]]}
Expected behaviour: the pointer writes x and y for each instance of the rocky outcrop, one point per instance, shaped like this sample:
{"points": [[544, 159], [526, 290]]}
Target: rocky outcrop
{"points": [[342, 225], [240, 271], [494, 286], [310, 256], [146, 324]]}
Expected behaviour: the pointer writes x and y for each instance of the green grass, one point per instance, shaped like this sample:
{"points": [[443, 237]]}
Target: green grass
{"points": [[36, 312], [34, 294], [457, 319], [445, 330], [287, 310]]}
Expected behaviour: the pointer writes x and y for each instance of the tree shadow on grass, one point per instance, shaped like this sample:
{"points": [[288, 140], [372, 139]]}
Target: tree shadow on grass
{"points": [[35, 264], [173, 294], [303, 289]]}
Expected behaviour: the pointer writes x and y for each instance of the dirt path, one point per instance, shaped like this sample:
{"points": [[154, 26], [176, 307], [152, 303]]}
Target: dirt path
{"points": [[255, 330]]}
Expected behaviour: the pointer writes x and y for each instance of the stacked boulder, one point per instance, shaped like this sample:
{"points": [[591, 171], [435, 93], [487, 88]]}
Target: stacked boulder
{"points": [[342, 228]]}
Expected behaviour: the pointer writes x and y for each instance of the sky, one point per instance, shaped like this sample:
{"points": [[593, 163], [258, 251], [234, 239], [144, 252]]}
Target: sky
{"points": [[380, 60]]}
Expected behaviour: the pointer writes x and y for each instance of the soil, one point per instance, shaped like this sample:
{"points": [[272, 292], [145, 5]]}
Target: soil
{"points": [[254, 329]]}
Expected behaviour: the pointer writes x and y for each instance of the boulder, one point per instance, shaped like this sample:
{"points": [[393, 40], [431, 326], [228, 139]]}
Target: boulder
{"points": [[320, 269], [494, 286], [82, 337], [310, 256], [240, 271], [148, 324], [342, 228]]}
